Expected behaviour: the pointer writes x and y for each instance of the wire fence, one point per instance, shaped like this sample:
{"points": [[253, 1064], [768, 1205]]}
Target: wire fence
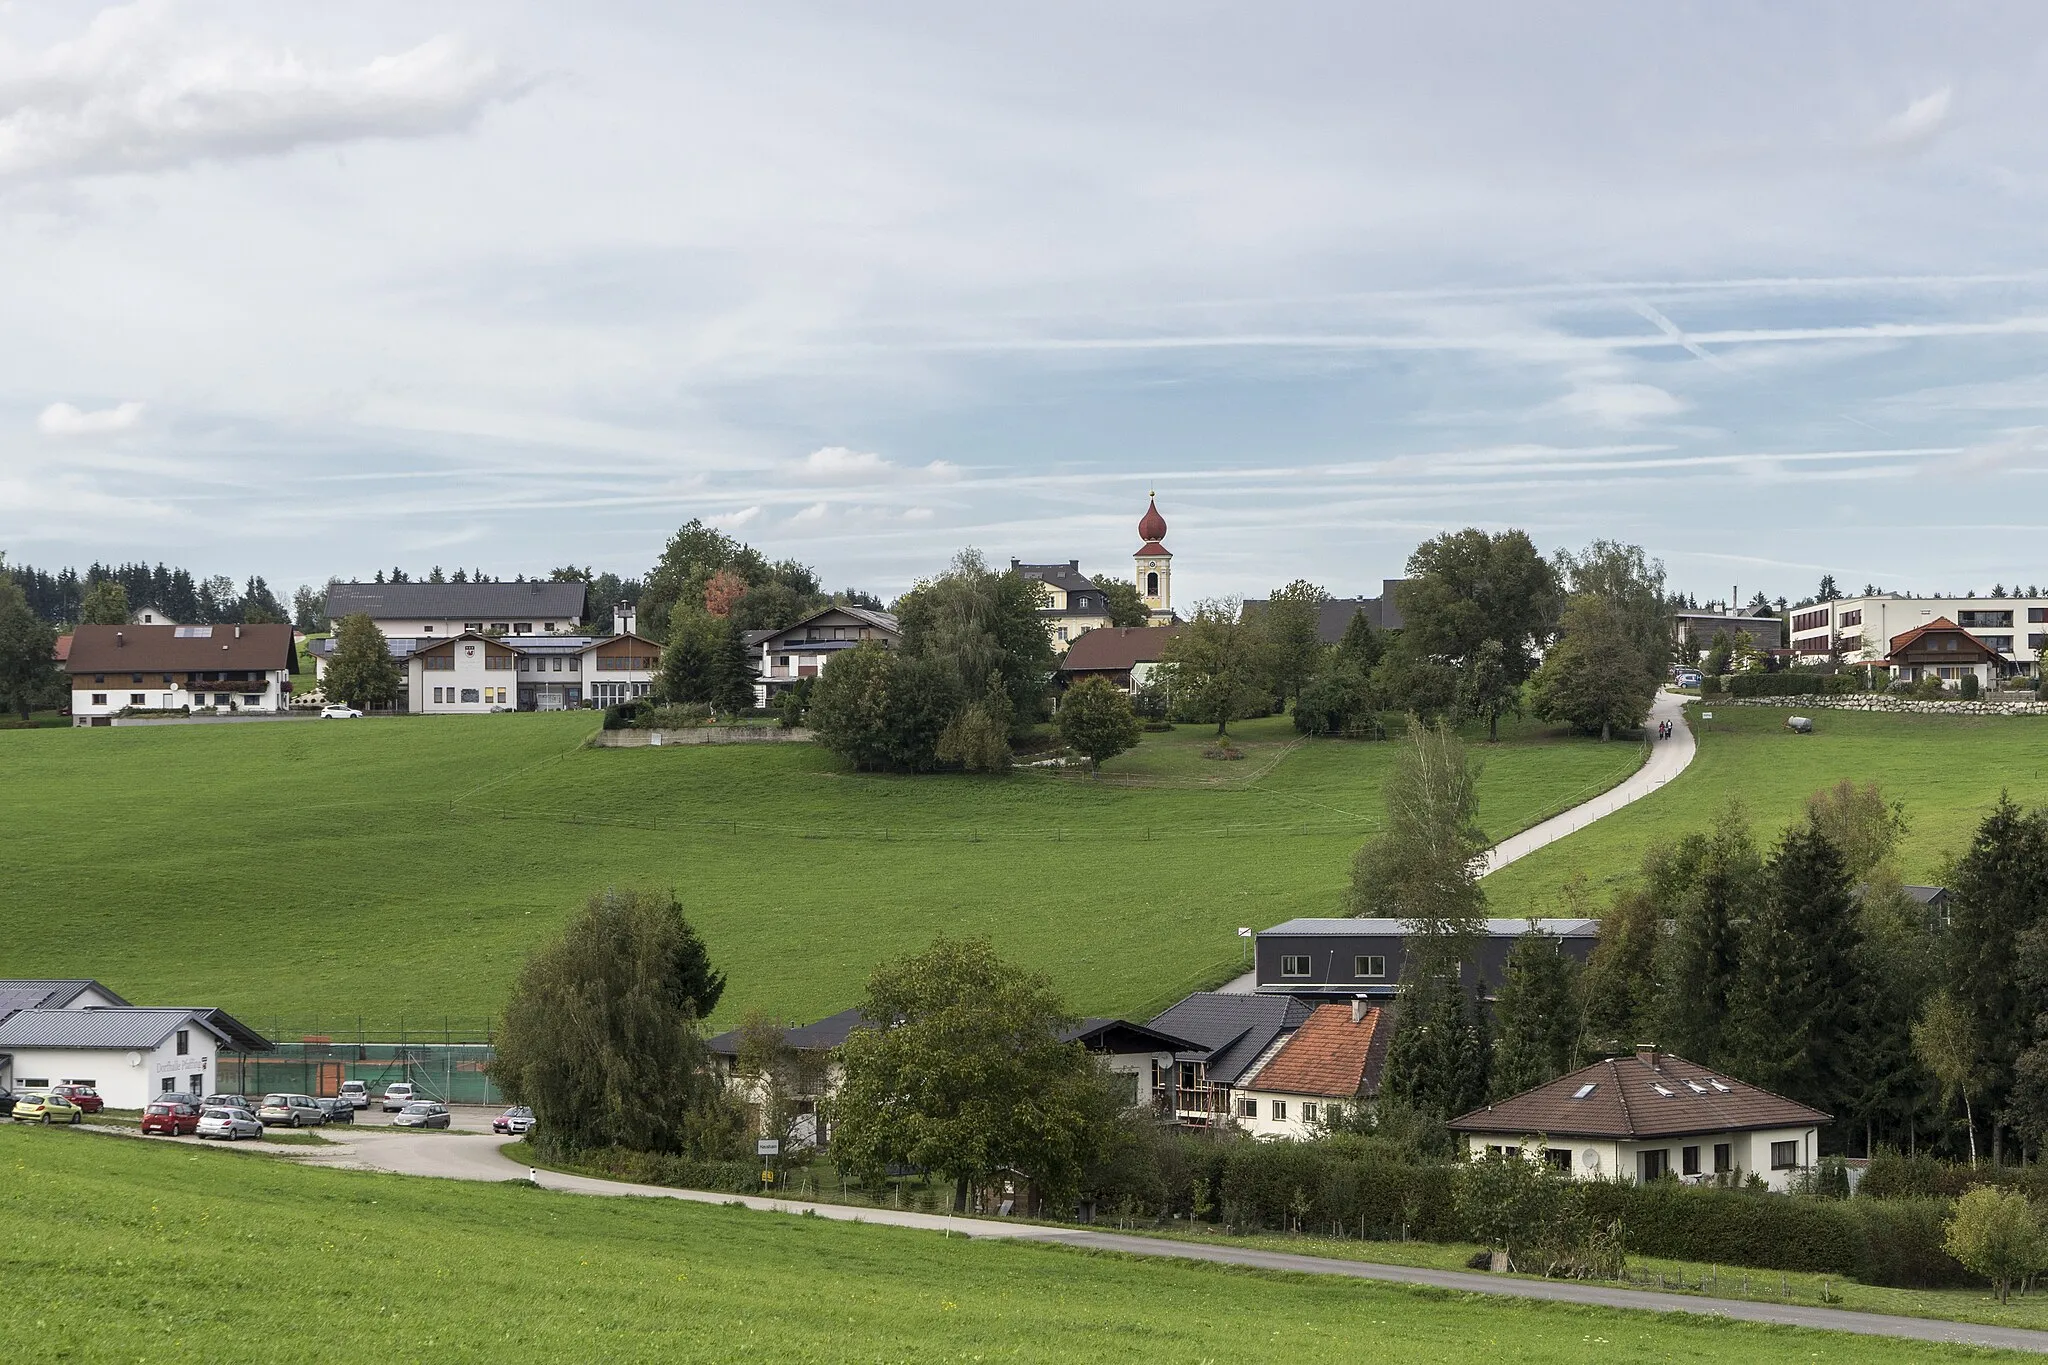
{"points": [[453, 1073]]}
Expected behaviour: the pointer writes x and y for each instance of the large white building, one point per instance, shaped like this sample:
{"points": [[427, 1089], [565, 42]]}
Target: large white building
{"points": [[81, 1033], [163, 668], [2015, 629], [411, 611], [476, 673]]}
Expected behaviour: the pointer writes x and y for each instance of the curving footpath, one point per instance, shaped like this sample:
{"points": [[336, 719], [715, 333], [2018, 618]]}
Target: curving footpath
{"points": [[1668, 758], [462, 1156]]}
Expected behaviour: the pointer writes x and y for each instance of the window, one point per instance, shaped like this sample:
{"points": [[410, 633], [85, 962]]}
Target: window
{"points": [[34, 1083], [1784, 1155], [252, 699], [523, 628], [1655, 1163], [558, 665], [781, 661], [1971, 620], [2036, 640], [137, 699], [1560, 1157], [1151, 585], [1279, 1111], [500, 627], [437, 694], [1665, 1091], [1308, 1111], [1851, 618], [501, 696], [99, 677], [1371, 968], [501, 663], [2037, 616], [839, 632], [1724, 1158], [99, 699], [170, 1084], [426, 630], [1294, 965], [473, 625], [1688, 1161], [438, 663], [549, 627], [1061, 634], [169, 681], [184, 1042], [1247, 1109], [525, 664], [575, 663], [469, 694], [1588, 1088], [1496, 1150]]}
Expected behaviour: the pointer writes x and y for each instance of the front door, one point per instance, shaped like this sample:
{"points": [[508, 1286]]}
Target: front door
{"points": [[327, 1081]]}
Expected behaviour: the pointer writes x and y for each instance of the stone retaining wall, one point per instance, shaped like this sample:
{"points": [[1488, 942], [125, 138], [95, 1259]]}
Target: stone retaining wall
{"points": [[1883, 701], [702, 734]]}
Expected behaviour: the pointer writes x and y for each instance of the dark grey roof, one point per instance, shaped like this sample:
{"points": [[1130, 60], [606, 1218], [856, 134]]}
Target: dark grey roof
{"points": [[16, 996], [1928, 895], [449, 601], [1121, 1035], [1066, 577], [116, 1028], [1235, 1030], [822, 1036], [1333, 618], [1366, 926], [401, 647]]}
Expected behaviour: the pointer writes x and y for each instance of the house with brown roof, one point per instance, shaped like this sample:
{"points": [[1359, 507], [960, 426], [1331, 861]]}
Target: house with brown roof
{"points": [[1332, 1061], [166, 668], [1942, 649], [1126, 655], [1649, 1116]]}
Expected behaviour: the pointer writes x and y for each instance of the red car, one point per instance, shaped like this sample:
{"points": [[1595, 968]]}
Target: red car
{"points": [[170, 1117], [84, 1096]]}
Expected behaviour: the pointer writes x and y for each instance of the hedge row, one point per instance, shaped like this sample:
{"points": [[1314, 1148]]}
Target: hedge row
{"points": [[1792, 684], [658, 1168]]}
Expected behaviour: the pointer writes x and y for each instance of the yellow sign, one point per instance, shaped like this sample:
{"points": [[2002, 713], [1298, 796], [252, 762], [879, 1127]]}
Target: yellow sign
{"points": [[768, 1177]]}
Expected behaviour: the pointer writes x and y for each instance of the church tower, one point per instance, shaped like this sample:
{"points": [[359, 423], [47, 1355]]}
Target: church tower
{"points": [[1154, 565]]}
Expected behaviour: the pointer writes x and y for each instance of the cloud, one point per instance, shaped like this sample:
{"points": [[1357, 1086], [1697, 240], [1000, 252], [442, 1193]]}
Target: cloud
{"points": [[138, 92], [1918, 124], [918, 514], [814, 513], [1614, 403], [842, 462], [739, 518], [61, 419]]}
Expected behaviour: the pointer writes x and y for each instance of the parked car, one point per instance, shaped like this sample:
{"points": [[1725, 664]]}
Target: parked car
{"points": [[227, 1102], [1687, 678], [357, 1093], [397, 1095], [293, 1111], [338, 1110], [170, 1116], [6, 1103], [517, 1119], [84, 1096], [228, 1121], [423, 1114], [45, 1106], [340, 713]]}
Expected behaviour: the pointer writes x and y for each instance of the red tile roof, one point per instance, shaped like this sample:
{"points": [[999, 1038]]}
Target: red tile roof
{"points": [[1652, 1094], [1901, 643], [63, 651], [1116, 649], [1328, 1055]]}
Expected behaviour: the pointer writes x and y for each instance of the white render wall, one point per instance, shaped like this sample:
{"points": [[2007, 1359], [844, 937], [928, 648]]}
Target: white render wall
{"points": [[122, 1084], [89, 698], [411, 627], [1297, 1124], [1752, 1153], [468, 675], [1884, 618]]}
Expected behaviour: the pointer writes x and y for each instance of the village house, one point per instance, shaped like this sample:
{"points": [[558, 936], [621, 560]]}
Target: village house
{"points": [[1648, 1116], [1331, 1063], [407, 611], [1335, 958], [168, 668], [1126, 655], [783, 658], [470, 673], [1942, 649], [1072, 603], [80, 1033], [1232, 1034]]}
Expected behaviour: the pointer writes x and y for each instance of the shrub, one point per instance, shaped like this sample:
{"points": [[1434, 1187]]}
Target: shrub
{"points": [[682, 716], [1790, 684], [623, 715], [1969, 687], [1710, 685], [1996, 1235], [665, 1168]]}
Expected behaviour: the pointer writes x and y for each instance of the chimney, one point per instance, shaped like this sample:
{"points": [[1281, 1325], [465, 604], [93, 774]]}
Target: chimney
{"points": [[1357, 1009], [238, 632], [1646, 1053]]}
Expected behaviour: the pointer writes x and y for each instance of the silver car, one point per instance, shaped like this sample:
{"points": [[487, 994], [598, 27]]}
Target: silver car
{"points": [[397, 1095], [228, 1123], [294, 1111], [423, 1114]]}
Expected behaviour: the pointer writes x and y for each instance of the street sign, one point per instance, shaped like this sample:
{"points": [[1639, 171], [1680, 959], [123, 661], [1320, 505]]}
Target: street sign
{"points": [[1244, 931], [768, 1147], [767, 1177], [1706, 715]]}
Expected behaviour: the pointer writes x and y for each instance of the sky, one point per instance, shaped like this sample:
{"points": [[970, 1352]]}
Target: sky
{"points": [[313, 291]]}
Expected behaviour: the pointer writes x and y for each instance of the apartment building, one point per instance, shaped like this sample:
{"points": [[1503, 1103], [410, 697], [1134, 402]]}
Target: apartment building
{"points": [[2014, 629]]}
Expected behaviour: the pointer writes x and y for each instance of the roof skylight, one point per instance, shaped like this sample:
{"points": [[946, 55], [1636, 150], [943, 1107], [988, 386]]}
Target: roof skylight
{"points": [[1696, 1087], [1722, 1086], [193, 633], [1588, 1088], [1660, 1089]]}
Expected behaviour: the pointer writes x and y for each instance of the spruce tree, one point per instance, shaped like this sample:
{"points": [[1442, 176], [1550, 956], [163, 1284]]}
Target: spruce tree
{"points": [[1796, 1010], [1437, 1061], [1536, 1013], [729, 681], [1702, 952], [1997, 892], [1618, 990]]}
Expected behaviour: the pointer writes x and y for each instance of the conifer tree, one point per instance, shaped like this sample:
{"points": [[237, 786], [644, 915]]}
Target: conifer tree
{"points": [[1536, 1013], [1702, 952], [1796, 1008], [1437, 1061], [1618, 990]]}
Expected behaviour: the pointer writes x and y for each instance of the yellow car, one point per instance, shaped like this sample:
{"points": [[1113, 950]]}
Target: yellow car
{"points": [[36, 1106]]}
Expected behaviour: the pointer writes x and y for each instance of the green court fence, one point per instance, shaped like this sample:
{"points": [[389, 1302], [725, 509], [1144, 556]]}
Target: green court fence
{"points": [[444, 1058]]}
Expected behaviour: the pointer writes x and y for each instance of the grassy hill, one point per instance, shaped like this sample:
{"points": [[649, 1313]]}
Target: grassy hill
{"points": [[304, 873], [168, 1252], [1947, 770]]}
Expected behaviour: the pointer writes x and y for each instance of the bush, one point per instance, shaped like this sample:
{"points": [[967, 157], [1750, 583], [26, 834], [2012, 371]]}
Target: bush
{"points": [[683, 716], [1790, 684], [1710, 685], [1969, 687], [624, 715], [680, 1172]]}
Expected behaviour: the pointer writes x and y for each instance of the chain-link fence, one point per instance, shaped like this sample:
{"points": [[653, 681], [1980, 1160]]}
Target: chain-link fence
{"points": [[452, 1072]]}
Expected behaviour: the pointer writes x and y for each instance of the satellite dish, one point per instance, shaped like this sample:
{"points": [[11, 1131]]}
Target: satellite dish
{"points": [[1590, 1159], [135, 1059]]}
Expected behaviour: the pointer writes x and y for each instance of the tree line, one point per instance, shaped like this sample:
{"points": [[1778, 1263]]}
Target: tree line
{"points": [[105, 595]]}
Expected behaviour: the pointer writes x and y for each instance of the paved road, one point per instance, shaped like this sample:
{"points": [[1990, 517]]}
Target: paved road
{"points": [[1668, 758], [462, 1156]]}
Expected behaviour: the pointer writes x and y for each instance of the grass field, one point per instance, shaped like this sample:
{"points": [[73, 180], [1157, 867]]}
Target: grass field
{"points": [[165, 1252], [1947, 770], [318, 870]]}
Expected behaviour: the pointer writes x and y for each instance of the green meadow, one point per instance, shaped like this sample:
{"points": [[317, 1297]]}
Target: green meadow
{"points": [[300, 874], [1948, 770], [113, 1248]]}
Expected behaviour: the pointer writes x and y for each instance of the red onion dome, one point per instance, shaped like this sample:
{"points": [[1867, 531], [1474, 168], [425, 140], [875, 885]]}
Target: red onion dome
{"points": [[1152, 526]]}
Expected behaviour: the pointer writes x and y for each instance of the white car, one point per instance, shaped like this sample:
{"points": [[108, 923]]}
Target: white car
{"points": [[397, 1095], [229, 1123], [340, 713], [356, 1093]]}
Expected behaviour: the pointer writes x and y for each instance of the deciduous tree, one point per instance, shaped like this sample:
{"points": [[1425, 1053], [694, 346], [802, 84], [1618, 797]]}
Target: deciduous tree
{"points": [[1595, 678], [1215, 666], [361, 670], [879, 709], [1997, 1236], [28, 671], [1423, 866], [980, 624], [1096, 720], [1290, 626], [601, 1034], [1121, 602], [106, 604]]}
